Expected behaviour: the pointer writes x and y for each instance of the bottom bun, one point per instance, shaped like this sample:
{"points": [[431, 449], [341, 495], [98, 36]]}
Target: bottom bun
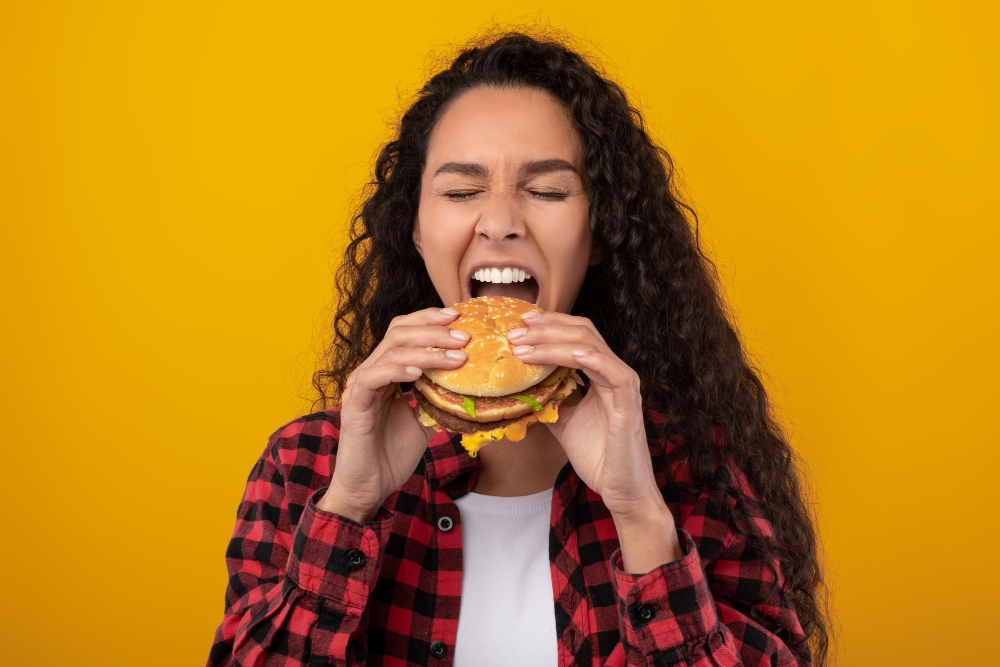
{"points": [[512, 429]]}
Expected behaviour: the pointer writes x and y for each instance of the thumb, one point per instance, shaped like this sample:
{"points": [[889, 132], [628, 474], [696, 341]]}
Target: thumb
{"points": [[565, 414]]}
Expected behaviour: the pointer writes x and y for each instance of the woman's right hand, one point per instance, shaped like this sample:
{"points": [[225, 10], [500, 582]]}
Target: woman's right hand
{"points": [[381, 439]]}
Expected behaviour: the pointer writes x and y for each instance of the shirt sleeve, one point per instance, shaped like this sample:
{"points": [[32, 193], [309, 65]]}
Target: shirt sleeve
{"points": [[697, 611], [296, 593]]}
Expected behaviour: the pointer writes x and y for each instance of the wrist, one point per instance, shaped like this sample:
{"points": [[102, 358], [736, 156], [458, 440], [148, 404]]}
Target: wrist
{"points": [[648, 537], [648, 514], [338, 502]]}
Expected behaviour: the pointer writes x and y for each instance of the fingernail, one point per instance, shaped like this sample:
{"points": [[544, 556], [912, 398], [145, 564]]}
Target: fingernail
{"points": [[455, 354], [458, 334], [579, 353], [449, 311], [521, 349], [530, 315], [514, 334]]}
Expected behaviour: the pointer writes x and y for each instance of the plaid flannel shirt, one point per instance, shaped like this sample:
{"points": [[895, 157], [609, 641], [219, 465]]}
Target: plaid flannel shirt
{"points": [[310, 587]]}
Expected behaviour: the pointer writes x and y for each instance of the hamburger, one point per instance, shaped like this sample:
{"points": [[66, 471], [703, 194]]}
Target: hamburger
{"points": [[493, 394]]}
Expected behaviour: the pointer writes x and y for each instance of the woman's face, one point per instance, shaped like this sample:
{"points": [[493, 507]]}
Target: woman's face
{"points": [[502, 187]]}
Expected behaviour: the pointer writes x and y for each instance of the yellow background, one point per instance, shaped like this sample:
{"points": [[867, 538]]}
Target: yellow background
{"points": [[175, 180]]}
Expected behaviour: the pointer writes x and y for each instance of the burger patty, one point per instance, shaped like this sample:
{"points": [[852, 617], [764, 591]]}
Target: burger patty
{"points": [[457, 424], [453, 402]]}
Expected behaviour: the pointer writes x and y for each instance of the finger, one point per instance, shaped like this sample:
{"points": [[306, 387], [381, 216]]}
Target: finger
{"points": [[614, 373], [555, 332], [425, 357], [426, 336], [368, 383], [424, 316], [432, 344], [439, 317], [533, 317], [419, 358], [603, 369]]}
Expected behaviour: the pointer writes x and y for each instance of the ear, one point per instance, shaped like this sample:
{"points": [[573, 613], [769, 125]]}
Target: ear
{"points": [[596, 254], [416, 235]]}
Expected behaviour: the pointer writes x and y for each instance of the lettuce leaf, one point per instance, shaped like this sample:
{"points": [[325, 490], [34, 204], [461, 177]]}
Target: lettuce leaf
{"points": [[469, 404], [535, 405]]}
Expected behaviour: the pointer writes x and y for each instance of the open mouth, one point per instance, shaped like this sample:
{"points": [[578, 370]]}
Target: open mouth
{"points": [[526, 290]]}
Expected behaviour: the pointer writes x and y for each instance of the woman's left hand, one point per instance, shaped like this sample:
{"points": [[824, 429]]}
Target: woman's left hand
{"points": [[603, 435]]}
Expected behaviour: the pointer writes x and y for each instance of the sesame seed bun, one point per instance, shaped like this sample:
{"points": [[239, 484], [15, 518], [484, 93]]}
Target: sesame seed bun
{"points": [[491, 369]]}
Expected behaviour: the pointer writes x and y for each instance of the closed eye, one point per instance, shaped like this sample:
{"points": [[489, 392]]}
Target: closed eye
{"points": [[549, 195], [461, 195], [537, 193]]}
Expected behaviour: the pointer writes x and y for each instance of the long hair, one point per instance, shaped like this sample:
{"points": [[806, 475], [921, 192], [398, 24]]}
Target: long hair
{"points": [[655, 297]]}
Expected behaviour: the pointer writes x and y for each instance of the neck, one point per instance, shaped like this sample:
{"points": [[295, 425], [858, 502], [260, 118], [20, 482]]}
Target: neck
{"points": [[524, 467]]}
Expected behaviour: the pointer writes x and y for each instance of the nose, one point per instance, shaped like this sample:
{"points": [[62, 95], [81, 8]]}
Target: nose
{"points": [[501, 219]]}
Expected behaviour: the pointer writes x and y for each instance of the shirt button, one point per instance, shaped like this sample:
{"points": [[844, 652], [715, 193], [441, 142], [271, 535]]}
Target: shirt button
{"points": [[438, 649], [355, 559], [645, 611], [445, 524]]}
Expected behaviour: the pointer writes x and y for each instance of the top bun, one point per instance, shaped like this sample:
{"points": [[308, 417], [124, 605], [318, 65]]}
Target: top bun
{"points": [[491, 369]]}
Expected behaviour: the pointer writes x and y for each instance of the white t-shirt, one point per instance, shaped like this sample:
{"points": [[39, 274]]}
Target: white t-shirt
{"points": [[507, 612]]}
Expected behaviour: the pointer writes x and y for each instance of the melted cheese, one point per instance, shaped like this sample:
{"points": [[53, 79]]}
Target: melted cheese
{"points": [[472, 442], [513, 432], [550, 413], [517, 430], [427, 420]]}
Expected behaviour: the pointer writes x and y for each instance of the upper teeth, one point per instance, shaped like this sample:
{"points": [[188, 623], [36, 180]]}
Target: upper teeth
{"points": [[505, 275]]}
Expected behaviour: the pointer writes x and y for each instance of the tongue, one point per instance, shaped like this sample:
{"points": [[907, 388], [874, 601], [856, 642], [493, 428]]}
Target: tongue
{"points": [[524, 290]]}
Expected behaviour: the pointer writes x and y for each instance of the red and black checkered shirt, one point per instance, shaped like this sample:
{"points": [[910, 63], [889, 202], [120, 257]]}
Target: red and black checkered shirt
{"points": [[310, 587]]}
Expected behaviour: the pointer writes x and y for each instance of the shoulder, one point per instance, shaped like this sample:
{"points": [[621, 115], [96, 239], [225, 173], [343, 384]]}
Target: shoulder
{"points": [[705, 510], [305, 440], [297, 460]]}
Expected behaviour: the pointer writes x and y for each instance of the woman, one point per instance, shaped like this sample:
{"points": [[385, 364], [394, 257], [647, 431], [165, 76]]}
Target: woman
{"points": [[631, 531]]}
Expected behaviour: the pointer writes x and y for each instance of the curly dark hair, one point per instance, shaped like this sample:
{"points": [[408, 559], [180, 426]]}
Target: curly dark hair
{"points": [[691, 364]]}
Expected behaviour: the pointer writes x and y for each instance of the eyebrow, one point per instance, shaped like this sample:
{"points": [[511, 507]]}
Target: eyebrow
{"points": [[532, 168]]}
